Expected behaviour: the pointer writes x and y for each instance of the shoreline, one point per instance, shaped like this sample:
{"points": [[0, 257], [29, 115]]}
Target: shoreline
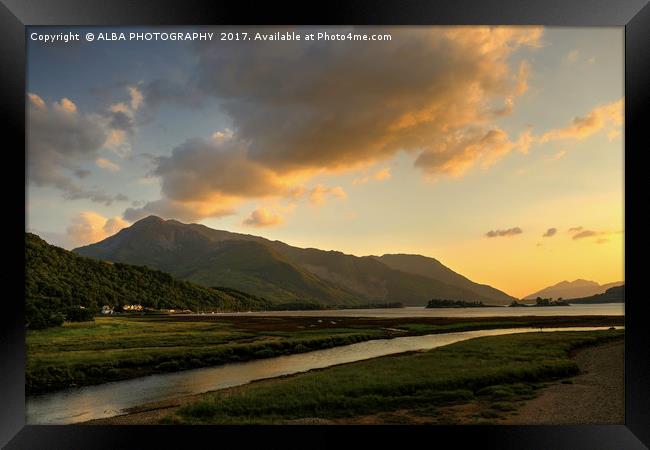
{"points": [[388, 325], [464, 413]]}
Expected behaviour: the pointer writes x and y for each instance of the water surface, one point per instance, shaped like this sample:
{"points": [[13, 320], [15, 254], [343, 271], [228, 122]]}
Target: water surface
{"points": [[602, 309], [110, 399]]}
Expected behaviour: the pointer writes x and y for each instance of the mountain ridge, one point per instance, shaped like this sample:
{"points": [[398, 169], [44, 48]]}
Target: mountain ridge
{"points": [[615, 294], [578, 288], [279, 271]]}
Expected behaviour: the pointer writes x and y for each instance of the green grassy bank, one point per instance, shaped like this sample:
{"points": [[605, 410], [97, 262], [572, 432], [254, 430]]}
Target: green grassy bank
{"points": [[498, 368], [118, 348]]}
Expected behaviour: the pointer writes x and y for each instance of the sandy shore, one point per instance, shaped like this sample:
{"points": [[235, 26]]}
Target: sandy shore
{"points": [[597, 396]]}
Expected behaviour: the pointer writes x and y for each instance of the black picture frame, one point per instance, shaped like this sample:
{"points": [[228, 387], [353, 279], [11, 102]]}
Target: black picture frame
{"points": [[15, 15]]}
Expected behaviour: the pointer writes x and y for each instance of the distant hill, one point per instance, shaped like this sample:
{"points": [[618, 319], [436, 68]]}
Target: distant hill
{"points": [[612, 295], [278, 271], [56, 279], [434, 269], [573, 289]]}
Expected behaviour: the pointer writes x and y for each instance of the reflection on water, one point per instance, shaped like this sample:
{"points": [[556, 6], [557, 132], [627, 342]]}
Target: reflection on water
{"points": [[110, 399], [603, 309]]}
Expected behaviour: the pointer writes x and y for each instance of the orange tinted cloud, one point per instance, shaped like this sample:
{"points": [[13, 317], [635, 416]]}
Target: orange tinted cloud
{"points": [[429, 91], [383, 174], [188, 211], [89, 227], [318, 195], [380, 175], [460, 152], [263, 217], [601, 117]]}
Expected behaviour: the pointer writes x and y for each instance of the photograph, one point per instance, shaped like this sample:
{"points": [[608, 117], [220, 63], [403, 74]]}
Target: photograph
{"points": [[325, 225], [374, 221]]}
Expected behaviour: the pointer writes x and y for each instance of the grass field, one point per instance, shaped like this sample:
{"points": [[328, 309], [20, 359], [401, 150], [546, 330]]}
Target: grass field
{"points": [[116, 348], [498, 369]]}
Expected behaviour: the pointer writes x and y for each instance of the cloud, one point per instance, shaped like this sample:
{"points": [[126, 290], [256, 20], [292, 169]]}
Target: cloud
{"points": [[298, 110], [306, 108], [608, 116], [121, 120], [220, 136], [383, 174], [107, 165], [522, 78], [573, 55], [185, 211], [500, 233], [210, 177], [571, 230], [458, 153], [580, 233], [525, 140], [114, 224], [81, 173], [159, 92], [263, 217], [95, 195], [199, 169], [36, 101], [60, 139], [66, 105], [557, 156], [318, 195], [584, 234], [207, 178], [380, 175], [550, 232], [88, 227], [136, 97]]}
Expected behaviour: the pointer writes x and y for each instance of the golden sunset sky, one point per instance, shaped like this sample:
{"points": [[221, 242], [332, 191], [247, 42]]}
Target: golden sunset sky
{"points": [[496, 150]]}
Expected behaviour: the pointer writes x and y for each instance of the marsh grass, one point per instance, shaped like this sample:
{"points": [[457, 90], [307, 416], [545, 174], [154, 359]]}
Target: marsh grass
{"points": [[498, 369], [111, 349], [117, 348], [123, 347]]}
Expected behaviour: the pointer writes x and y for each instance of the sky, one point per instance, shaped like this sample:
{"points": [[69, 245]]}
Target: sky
{"points": [[496, 150]]}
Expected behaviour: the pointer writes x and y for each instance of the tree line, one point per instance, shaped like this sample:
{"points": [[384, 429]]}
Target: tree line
{"points": [[60, 285]]}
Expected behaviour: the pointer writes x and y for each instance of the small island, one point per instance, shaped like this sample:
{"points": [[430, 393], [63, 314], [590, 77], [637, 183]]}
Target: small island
{"points": [[444, 303], [516, 304]]}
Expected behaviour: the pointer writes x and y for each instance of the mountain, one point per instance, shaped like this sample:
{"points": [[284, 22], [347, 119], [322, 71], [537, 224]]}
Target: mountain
{"points": [[278, 271], [56, 279], [614, 294], [434, 269], [573, 289], [606, 286], [215, 258]]}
